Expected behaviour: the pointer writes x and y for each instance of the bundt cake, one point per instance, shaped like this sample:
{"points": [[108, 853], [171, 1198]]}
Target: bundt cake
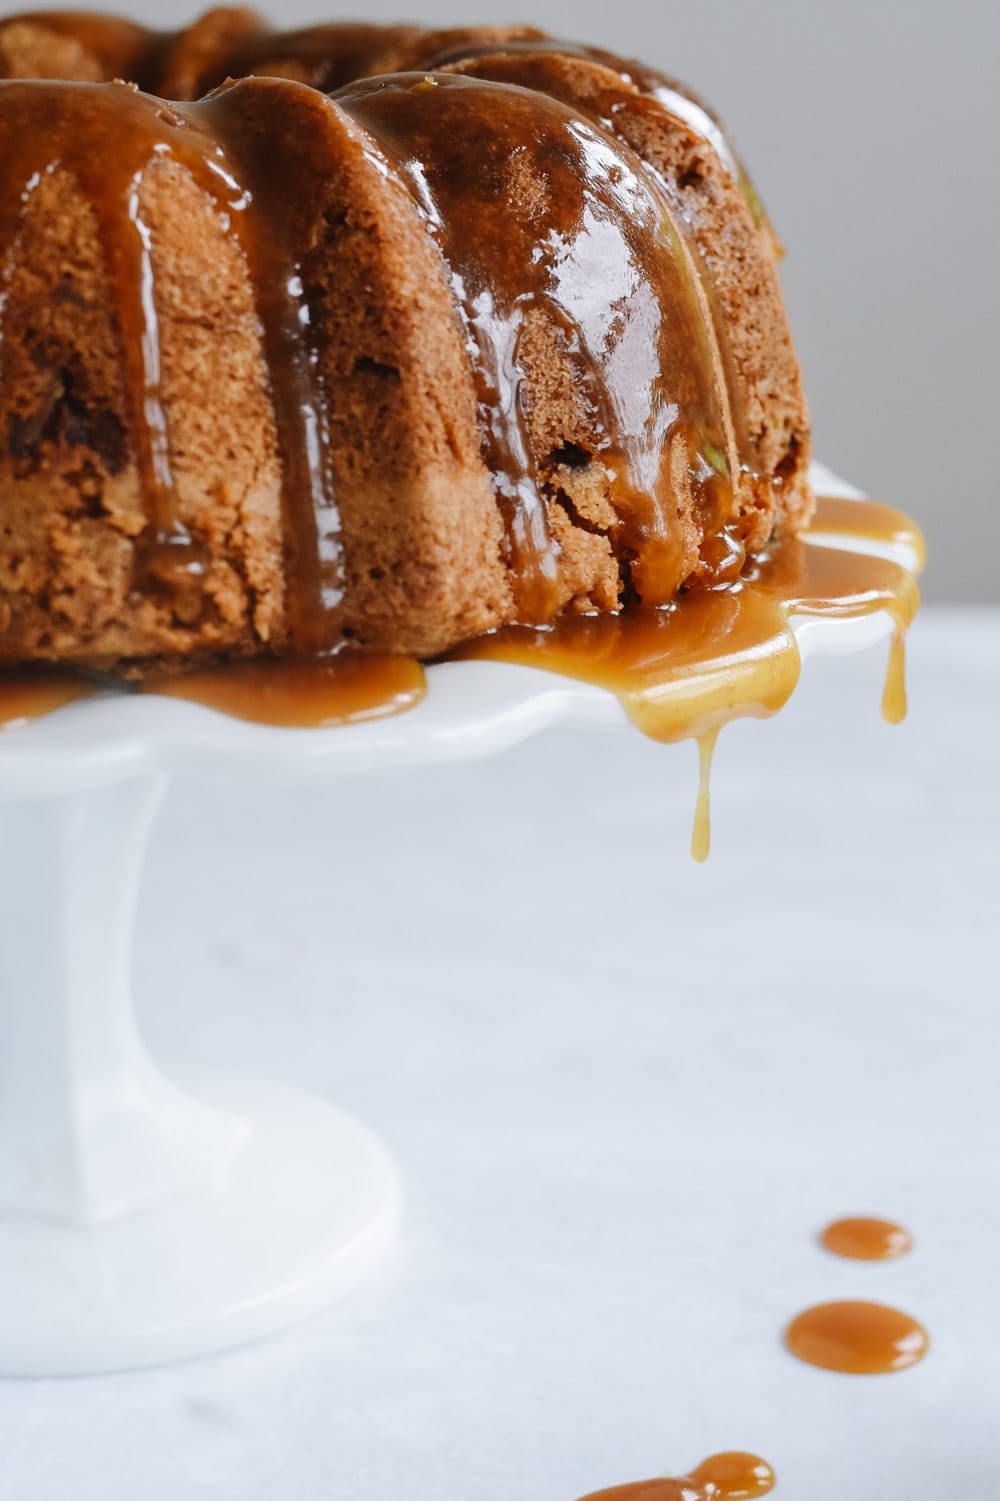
{"points": [[491, 331]]}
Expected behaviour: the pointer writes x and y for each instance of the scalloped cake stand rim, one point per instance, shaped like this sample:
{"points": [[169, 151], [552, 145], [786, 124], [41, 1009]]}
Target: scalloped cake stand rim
{"points": [[471, 710]]}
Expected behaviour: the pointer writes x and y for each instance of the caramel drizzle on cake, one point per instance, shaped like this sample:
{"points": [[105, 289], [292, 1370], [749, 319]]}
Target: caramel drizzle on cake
{"points": [[618, 337], [108, 137], [601, 268]]}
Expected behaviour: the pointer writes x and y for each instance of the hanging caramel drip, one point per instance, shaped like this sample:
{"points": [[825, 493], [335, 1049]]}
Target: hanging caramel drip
{"points": [[28, 693], [894, 693], [854, 524], [642, 353], [723, 1477], [105, 138], [276, 212], [108, 138], [701, 837], [865, 1239], [858, 1339], [719, 653], [303, 694]]}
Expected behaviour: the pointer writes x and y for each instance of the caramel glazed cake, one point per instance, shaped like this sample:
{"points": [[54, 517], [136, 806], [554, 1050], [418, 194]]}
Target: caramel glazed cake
{"points": [[393, 338]]}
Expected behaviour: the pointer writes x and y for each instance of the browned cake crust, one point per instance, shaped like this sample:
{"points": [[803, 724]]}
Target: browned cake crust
{"points": [[739, 256], [423, 560], [72, 45], [147, 514], [71, 504]]}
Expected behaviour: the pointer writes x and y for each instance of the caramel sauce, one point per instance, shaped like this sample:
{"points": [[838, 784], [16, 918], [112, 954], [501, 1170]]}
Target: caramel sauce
{"points": [[655, 426], [717, 653], [274, 219], [679, 100], [679, 672], [613, 104], [864, 1239], [108, 137], [868, 520], [701, 835], [859, 1339], [676, 98], [847, 521], [655, 421], [723, 1477], [299, 694], [894, 693], [28, 693]]}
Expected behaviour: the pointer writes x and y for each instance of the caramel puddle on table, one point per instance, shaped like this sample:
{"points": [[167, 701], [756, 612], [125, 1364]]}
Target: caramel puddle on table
{"points": [[722, 653], [724, 1477], [303, 694], [861, 1238], [859, 1339], [32, 692]]}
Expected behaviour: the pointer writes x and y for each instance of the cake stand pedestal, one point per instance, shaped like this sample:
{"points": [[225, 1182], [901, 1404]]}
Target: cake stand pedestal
{"points": [[146, 1218]]}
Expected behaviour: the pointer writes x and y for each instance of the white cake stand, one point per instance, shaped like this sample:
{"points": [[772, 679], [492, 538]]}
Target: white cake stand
{"points": [[145, 1219]]}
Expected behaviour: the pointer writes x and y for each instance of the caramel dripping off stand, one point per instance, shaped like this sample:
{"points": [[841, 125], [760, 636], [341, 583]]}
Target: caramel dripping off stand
{"points": [[146, 1218]]}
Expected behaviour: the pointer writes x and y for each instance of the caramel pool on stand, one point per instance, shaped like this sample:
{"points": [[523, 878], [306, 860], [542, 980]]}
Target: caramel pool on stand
{"points": [[720, 654], [303, 694], [680, 673], [33, 692]]}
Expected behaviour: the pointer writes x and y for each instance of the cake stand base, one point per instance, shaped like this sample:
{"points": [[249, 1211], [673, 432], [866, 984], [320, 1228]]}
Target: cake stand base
{"points": [[143, 1219], [308, 1204]]}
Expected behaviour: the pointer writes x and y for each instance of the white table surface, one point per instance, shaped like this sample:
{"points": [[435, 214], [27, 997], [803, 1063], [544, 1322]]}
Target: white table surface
{"points": [[625, 1092]]}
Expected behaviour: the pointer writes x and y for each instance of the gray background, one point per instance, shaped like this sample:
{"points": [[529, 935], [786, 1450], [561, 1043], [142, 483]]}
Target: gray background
{"points": [[871, 127]]}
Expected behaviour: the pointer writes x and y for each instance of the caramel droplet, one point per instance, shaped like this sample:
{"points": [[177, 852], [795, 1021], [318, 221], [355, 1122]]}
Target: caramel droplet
{"points": [[864, 1239], [723, 1477], [860, 1339], [734, 1476]]}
